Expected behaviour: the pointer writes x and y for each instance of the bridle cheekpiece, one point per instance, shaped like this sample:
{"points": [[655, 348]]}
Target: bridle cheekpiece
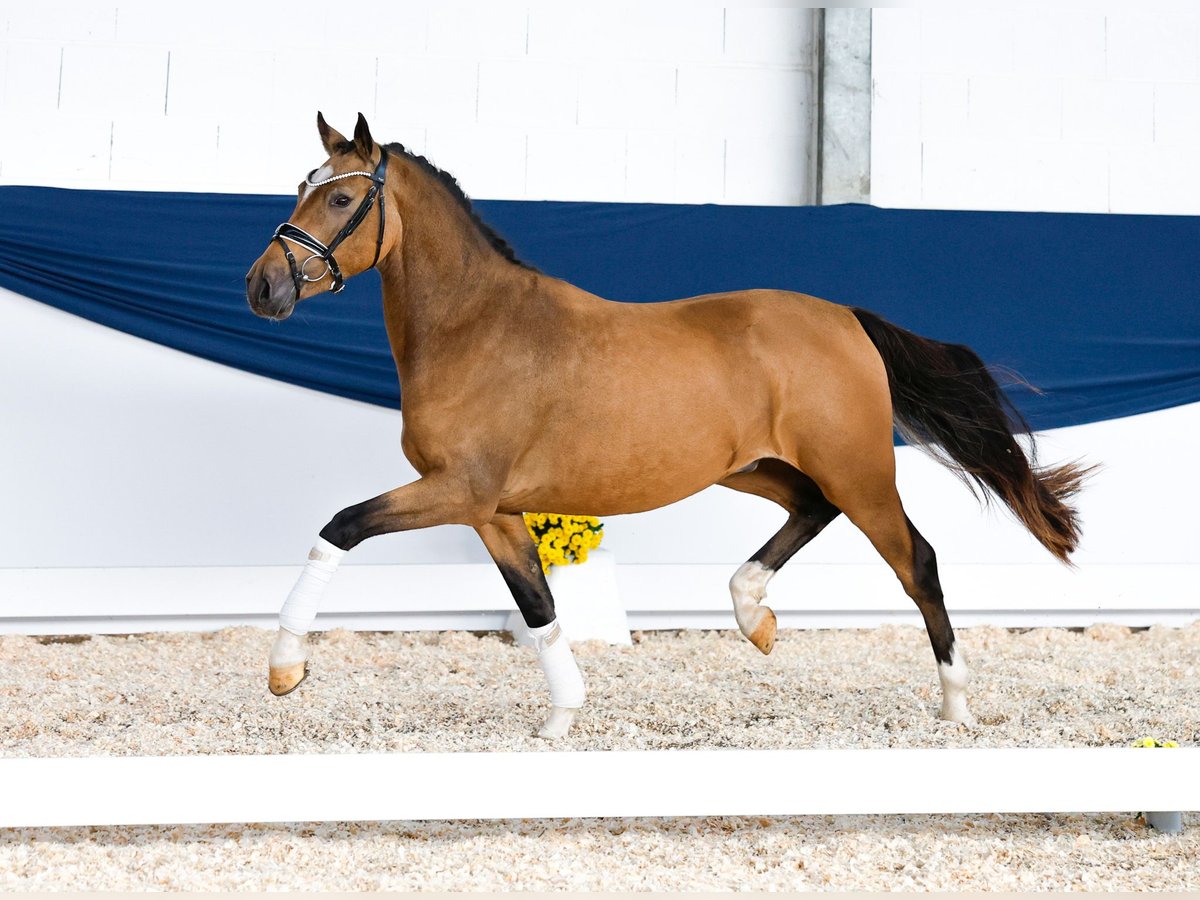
{"points": [[287, 232]]}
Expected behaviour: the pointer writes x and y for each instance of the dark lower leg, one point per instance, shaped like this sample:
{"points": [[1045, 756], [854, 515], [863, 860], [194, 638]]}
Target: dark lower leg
{"points": [[809, 513], [515, 555], [926, 591], [915, 564]]}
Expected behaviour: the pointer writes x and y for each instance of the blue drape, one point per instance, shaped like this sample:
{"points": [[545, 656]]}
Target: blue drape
{"points": [[1099, 311]]}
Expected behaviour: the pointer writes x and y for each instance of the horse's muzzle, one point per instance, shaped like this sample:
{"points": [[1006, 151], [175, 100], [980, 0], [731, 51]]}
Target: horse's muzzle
{"points": [[270, 294]]}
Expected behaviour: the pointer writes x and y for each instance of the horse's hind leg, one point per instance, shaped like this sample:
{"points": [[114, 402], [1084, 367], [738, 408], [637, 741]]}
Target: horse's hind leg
{"points": [[880, 516], [516, 557], [808, 513]]}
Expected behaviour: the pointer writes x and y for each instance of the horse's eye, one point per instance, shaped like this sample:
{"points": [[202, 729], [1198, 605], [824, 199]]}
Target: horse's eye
{"points": [[340, 200]]}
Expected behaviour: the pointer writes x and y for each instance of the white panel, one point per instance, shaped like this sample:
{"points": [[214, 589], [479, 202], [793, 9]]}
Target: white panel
{"points": [[1067, 43], [1004, 107], [1177, 114], [1157, 46], [532, 93], [769, 35], [943, 108], [699, 167], [895, 41], [427, 74], [650, 166], [477, 30], [404, 91], [111, 79], [398, 29], [753, 164], [258, 155], [896, 155], [162, 152], [978, 174], [297, 94], [728, 99], [488, 161], [32, 70], [1108, 112], [211, 83], [1062, 106], [968, 39], [61, 20], [1156, 179], [638, 95], [76, 149], [581, 164], [671, 31], [412, 786]]}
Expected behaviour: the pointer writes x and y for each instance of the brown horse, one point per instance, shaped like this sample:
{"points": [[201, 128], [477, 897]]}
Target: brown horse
{"points": [[773, 393]]}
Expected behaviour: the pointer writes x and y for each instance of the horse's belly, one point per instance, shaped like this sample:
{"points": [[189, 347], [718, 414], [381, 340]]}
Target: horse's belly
{"points": [[601, 465]]}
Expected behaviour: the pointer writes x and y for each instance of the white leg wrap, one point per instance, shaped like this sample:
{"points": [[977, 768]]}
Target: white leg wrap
{"points": [[300, 609], [749, 587], [954, 689], [558, 663]]}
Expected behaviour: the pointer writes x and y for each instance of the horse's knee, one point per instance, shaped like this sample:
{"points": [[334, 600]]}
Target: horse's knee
{"points": [[349, 527]]}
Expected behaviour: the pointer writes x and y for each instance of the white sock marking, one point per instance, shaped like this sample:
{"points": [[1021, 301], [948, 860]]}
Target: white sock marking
{"points": [[288, 650], [953, 676], [748, 587]]}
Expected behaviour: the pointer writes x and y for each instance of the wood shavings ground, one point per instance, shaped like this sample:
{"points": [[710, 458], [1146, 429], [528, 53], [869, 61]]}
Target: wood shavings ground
{"points": [[378, 692], [206, 693], [1004, 853]]}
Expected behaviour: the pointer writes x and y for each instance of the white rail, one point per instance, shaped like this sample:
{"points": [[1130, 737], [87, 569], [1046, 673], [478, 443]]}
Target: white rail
{"points": [[415, 786], [473, 597]]}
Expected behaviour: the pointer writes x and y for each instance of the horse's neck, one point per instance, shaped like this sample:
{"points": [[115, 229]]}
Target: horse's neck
{"points": [[445, 288]]}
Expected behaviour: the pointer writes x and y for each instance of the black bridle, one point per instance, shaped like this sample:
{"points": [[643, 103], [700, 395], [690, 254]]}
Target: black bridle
{"points": [[296, 235]]}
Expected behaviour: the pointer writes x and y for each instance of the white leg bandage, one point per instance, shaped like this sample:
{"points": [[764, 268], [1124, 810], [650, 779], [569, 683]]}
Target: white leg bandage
{"points": [[558, 663], [300, 608]]}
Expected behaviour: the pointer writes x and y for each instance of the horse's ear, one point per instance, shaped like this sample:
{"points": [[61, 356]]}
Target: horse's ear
{"points": [[362, 137], [330, 137]]}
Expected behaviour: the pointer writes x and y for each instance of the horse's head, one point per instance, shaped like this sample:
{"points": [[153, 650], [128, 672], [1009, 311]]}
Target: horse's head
{"points": [[334, 201]]}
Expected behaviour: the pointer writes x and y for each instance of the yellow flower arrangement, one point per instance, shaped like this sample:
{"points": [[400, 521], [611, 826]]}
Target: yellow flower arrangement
{"points": [[563, 539], [1151, 742]]}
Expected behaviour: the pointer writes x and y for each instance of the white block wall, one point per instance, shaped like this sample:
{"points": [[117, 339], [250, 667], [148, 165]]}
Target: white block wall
{"points": [[1035, 107], [647, 102]]}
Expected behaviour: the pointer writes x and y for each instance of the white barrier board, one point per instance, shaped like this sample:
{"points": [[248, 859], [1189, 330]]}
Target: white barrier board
{"points": [[414, 786]]}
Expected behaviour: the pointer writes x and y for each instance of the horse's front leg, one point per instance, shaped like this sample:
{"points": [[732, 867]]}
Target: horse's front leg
{"points": [[433, 500], [516, 556]]}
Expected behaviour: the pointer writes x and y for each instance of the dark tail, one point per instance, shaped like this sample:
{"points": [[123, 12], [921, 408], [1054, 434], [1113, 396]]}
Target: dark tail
{"points": [[945, 401]]}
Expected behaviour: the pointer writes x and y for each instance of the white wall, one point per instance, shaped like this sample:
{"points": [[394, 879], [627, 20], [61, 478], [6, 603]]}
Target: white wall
{"points": [[1057, 107], [667, 101]]}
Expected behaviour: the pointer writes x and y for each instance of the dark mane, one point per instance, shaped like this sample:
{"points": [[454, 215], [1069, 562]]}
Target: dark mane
{"points": [[499, 244]]}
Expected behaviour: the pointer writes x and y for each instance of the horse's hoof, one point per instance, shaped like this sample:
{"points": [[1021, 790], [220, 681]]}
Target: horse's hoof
{"points": [[285, 679], [962, 715], [763, 635], [558, 723]]}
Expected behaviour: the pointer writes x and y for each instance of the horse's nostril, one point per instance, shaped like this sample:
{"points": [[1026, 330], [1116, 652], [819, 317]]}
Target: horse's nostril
{"points": [[264, 291]]}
